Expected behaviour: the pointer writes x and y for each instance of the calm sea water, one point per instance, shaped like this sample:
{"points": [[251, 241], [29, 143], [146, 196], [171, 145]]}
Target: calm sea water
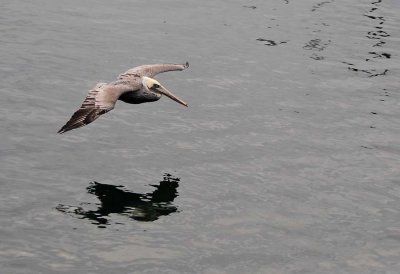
{"points": [[286, 161]]}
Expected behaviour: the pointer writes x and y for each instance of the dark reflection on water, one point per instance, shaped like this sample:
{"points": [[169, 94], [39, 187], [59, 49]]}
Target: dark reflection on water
{"points": [[145, 207]]}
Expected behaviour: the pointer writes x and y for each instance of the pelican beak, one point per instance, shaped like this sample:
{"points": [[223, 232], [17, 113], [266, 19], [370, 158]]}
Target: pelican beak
{"points": [[169, 94]]}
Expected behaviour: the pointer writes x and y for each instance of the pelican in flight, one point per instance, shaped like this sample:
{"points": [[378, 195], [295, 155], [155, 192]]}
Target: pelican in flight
{"points": [[135, 86]]}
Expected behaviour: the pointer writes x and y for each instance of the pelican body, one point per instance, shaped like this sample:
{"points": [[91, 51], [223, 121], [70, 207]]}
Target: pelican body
{"points": [[135, 86]]}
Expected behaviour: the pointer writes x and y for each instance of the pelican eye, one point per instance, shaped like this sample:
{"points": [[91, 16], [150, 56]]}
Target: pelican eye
{"points": [[155, 86]]}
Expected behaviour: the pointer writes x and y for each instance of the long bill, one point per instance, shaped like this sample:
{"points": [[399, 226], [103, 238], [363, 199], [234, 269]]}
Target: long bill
{"points": [[169, 94]]}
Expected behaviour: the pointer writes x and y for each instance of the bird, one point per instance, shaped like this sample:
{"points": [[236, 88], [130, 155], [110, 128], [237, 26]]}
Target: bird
{"points": [[135, 86]]}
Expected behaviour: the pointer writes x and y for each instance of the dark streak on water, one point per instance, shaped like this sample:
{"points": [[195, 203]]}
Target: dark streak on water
{"points": [[271, 42], [250, 7], [146, 207], [378, 35], [316, 45], [371, 72], [321, 4]]}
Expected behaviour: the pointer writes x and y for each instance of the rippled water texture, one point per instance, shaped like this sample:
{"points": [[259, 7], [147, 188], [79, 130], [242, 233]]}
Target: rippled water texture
{"points": [[286, 161]]}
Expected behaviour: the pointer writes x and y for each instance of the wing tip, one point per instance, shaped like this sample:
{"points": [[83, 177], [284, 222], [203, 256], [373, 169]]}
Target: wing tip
{"points": [[63, 130], [70, 126], [186, 65]]}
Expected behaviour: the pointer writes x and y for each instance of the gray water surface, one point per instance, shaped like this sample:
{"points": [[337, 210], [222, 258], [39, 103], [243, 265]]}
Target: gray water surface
{"points": [[286, 161]]}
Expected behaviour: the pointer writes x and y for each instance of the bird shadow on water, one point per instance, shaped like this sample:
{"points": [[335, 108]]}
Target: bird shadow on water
{"points": [[144, 207]]}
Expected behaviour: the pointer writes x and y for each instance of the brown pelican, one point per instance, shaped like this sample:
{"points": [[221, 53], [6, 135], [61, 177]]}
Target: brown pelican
{"points": [[134, 86]]}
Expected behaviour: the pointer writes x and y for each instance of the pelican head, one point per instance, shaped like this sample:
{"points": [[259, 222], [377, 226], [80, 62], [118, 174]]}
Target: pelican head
{"points": [[153, 86]]}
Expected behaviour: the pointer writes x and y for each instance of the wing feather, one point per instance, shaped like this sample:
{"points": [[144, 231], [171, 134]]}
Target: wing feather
{"points": [[100, 100], [151, 70]]}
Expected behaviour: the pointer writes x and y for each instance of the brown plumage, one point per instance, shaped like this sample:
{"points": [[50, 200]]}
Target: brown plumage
{"points": [[134, 86]]}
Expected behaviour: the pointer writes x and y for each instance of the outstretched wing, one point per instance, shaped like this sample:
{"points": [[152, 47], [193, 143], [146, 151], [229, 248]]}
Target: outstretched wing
{"points": [[101, 99], [151, 70]]}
